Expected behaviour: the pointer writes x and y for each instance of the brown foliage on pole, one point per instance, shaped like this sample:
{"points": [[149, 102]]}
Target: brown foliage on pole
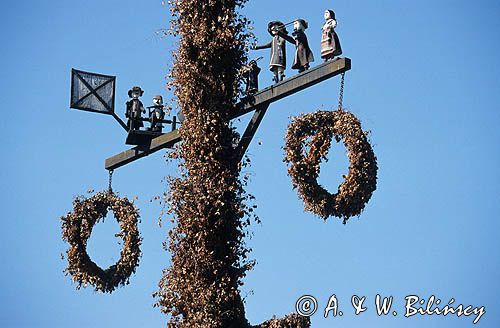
{"points": [[208, 202], [289, 321], [209, 258]]}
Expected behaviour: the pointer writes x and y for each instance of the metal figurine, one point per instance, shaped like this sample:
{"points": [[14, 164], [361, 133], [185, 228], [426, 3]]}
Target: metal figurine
{"points": [[330, 44], [303, 54], [251, 76], [277, 64], [156, 114], [134, 109]]}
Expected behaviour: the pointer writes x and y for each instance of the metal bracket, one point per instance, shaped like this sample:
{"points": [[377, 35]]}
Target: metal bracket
{"points": [[252, 127]]}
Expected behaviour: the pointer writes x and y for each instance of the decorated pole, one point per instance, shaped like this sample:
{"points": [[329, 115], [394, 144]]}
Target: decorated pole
{"points": [[208, 203], [209, 260]]}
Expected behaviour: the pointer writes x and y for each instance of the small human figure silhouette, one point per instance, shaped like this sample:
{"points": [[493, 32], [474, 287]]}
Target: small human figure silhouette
{"points": [[134, 109], [251, 76], [157, 114], [277, 63], [330, 43], [303, 54]]}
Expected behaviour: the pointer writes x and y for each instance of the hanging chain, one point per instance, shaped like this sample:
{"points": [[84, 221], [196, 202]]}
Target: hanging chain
{"points": [[110, 189], [341, 95]]}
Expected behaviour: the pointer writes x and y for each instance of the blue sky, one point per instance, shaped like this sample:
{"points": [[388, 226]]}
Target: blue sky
{"points": [[424, 80]]}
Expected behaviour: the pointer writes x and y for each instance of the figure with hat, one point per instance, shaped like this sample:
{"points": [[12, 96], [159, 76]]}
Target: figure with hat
{"points": [[157, 114], [251, 76], [277, 63], [134, 109], [330, 44], [303, 54]]}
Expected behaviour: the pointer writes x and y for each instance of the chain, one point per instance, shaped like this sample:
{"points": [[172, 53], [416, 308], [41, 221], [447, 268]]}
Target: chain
{"points": [[341, 96], [110, 189]]}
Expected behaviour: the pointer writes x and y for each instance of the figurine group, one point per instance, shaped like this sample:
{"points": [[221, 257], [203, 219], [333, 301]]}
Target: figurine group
{"points": [[330, 47], [135, 109]]}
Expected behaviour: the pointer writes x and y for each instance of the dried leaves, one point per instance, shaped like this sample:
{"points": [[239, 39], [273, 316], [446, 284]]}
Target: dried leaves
{"points": [[289, 321], [77, 228], [209, 258], [316, 131], [208, 201]]}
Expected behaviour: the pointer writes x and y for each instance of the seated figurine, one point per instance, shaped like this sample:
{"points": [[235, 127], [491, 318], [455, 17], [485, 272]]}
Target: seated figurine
{"points": [[156, 114]]}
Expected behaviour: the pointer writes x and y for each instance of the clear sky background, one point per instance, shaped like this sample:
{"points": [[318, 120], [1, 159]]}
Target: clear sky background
{"points": [[424, 80]]}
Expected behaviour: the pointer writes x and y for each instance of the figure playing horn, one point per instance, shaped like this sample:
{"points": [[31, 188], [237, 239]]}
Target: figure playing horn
{"points": [[277, 62]]}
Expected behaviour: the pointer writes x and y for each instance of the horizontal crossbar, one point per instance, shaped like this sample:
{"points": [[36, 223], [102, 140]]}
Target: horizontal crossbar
{"points": [[266, 96]]}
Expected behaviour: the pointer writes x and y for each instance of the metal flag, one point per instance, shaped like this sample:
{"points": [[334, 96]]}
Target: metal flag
{"points": [[92, 92]]}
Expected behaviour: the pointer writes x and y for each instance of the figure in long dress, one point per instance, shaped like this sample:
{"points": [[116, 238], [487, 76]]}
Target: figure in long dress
{"points": [[277, 63], [330, 44], [303, 54]]}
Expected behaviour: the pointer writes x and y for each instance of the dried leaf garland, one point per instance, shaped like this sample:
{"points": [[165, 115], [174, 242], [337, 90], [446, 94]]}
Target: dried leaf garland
{"points": [[316, 131], [77, 228]]}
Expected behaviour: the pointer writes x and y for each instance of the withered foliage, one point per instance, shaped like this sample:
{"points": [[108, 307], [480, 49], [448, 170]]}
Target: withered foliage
{"points": [[77, 228], [209, 259], [289, 321], [208, 202], [315, 132]]}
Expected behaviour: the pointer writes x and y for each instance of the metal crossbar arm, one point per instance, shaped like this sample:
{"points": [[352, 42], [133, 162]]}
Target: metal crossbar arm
{"points": [[293, 85], [147, 119], [262, 98], [167, 140], [119, 120]]}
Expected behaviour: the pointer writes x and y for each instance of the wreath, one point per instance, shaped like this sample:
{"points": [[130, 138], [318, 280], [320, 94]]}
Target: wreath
{"points": [[314, 132], [77, 228]]}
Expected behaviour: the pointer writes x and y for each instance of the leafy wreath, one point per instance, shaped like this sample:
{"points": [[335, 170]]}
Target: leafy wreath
{"points": [[77, 228], [314, 132]]}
